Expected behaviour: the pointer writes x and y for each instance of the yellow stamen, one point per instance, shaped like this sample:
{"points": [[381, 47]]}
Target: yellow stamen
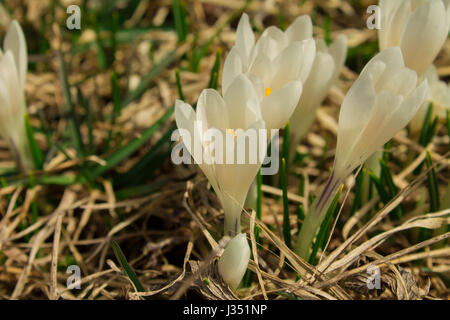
{"points": [[231, 131], [268, 91]]}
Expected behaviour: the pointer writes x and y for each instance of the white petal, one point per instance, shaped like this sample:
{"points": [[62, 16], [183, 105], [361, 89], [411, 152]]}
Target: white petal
{"points": [[15, 41], [277, 35], [293, 63], [262, 67], [185, 118], [403, 82], [231, 68], [385, 65], [258, 84], [236, 177], [10, 77], [357, 104], [278, 107], [234, 261], [394, 17], [338, 50], [211, 110], [245, 39], [266, 46], [300, 29], [424, 35], [242, 103], [318, 83]]}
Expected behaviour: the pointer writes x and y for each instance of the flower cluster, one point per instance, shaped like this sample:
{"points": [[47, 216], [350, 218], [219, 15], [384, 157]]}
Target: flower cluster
{"points": [[286, 75]]}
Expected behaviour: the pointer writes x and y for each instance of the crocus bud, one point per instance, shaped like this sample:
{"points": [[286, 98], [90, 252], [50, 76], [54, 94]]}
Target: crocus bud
{"points": [[380, 103], [13, 69], [418, 27], [234, 261]]}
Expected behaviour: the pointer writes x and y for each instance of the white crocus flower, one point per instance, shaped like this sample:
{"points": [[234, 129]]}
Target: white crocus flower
{"points": [[325, 71], [278, 64], [380, 103], [227, 118], [234, 260], [418, 27], [13, 67], [438, 95]]}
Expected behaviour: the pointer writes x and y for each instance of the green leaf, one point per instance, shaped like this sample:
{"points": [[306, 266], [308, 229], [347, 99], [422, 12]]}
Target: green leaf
{"points": [[36, 152], [198, 54], [117, 108], [448, 123], [388, 181], [325, 228], [131, 147], [433, 189], [357, 202], [89, 119], [424, 134], [179, 86], [214, 78], [286, 143], [147, 165], [259, 198], [126, 267], [74, 125], [139, 190], [153, 73], [286, 221], [179, 14]]}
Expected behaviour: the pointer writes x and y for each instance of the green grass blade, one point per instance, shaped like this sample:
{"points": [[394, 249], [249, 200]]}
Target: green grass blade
{"points": [[36, 152], [325, 228], [89, 120], [145, 81], [126, 267], [179, 86], [147, 165], [286, 221], [179, 14], [426, 126], [214, 78], [70, 109], [117, 109], [448, 123], [131, 147], [259, 198], [357, 202], [433, 190]]}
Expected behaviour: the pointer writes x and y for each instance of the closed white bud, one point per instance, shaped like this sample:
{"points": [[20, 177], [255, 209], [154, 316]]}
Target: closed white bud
{"points": [[13, 69], [418, 27], [234, 261], [380, 103]]}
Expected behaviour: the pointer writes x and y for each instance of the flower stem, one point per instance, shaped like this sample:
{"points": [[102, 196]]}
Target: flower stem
{"points": [[315, 216]]}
